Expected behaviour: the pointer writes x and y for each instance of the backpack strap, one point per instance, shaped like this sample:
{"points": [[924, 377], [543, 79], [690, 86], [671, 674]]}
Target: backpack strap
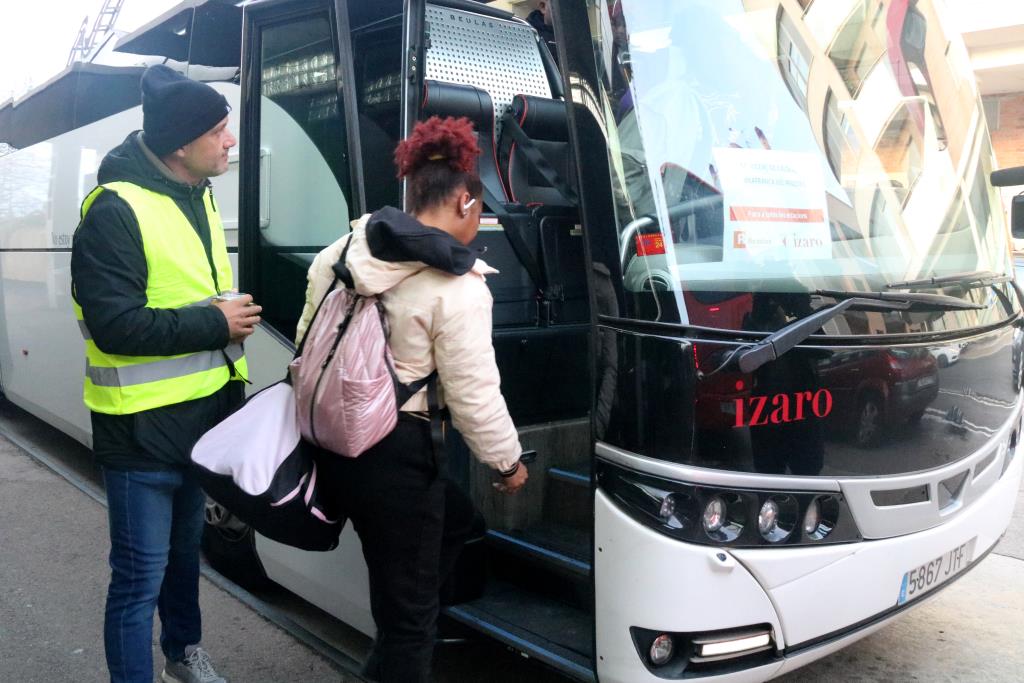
{"points": [[341, 271], [436, 425], [403, 392], [347, 281], [302, 344]]}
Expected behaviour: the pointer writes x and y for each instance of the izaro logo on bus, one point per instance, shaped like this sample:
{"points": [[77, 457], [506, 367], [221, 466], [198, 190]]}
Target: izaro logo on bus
{"points": [[758, 411]]}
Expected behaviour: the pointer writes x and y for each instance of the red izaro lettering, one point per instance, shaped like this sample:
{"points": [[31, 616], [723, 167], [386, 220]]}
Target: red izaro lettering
{"points": [[758, 411]]}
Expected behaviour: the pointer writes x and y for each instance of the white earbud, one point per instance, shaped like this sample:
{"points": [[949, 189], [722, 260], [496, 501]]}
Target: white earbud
{"points": [[465, 207]]}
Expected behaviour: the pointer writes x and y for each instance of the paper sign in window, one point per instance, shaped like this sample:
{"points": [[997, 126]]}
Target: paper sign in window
{"points": [[774, 204]]}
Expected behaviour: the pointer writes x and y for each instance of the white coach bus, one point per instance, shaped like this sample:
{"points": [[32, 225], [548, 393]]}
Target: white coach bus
{"points": [[755, 310]]}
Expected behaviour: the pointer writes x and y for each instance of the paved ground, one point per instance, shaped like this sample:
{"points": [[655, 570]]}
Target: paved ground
{"points": [[53, 575]]}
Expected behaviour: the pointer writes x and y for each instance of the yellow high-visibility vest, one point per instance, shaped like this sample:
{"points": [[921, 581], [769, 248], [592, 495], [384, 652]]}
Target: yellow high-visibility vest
{"points": [[179, 276]]}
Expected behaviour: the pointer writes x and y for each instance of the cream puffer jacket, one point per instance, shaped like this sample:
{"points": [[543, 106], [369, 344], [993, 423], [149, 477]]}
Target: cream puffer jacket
{"points": [[437, 320]]}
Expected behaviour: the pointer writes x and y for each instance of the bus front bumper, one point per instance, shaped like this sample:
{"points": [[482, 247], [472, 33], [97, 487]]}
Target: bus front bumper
{"points": [[814, 600]]}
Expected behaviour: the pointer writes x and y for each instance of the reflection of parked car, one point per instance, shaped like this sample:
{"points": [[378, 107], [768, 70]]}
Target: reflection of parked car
{"points": [[873, 390], [1018, 336], [1017, 379], [945, 355]]}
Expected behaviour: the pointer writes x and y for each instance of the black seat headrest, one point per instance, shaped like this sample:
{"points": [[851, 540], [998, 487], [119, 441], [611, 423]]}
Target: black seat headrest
{"points": [[454, 99], [541, 118]]}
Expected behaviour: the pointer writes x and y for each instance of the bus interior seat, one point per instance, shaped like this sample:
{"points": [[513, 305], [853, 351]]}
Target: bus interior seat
{"points": [[553, 232], [545, 123], [511, 288], [457, 99], [527, 345], [556, 217]]}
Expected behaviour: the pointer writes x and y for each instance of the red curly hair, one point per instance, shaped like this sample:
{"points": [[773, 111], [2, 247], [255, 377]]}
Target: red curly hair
{"points": [[438, 158]]}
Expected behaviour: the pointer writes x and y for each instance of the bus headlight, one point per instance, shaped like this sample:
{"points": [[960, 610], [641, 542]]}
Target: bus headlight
{"points": [[725, 516], [662, 649], [714, 515], [812, 517], [777, 518], [668, 507], [768, 517], [711, 515], [822, 516], [675, 656]]}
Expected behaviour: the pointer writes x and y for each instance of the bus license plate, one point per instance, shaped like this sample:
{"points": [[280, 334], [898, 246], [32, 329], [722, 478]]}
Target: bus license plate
{"points": [[922, 579]]}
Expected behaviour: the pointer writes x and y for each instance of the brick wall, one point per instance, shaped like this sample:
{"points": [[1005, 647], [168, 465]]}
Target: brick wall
{"points": [[1008, 138]]}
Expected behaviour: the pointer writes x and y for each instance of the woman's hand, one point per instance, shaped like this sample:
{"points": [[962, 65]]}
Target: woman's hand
{"points": [[512, 484]]}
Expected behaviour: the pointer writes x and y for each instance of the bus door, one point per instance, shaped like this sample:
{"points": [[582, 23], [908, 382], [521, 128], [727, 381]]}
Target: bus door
{"points": [[485, 64], [329, 89], [300, 188]]}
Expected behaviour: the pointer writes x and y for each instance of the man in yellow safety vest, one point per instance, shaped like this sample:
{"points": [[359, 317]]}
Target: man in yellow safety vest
{"points": [[164, 362]]}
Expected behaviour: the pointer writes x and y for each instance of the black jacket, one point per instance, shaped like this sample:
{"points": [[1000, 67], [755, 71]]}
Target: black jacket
{"points": [[546, 32], [108, 275]]}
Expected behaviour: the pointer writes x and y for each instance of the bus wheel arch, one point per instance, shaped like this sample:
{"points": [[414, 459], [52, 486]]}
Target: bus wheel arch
{"points": [[230, 547]]}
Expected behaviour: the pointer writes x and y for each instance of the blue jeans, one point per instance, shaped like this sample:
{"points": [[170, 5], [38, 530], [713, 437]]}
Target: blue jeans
{"points": [[156, 523]]}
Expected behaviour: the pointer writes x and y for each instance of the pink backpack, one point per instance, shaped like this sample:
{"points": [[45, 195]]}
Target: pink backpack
{"points": [[346, 389]]}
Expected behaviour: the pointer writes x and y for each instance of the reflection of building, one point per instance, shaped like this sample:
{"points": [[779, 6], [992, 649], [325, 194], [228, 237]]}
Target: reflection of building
{"points": [[893, 104], [994, 33]]}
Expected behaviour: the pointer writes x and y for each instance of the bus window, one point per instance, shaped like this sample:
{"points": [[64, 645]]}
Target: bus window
{"points": [[859, 45], [789, 162], [377, 65], [794, 59], [900, 148], [842, 147], [304, 182]]}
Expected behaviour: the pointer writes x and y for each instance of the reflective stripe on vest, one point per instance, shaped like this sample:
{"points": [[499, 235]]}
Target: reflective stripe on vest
{"points": [[179, 276], [168, 368]]}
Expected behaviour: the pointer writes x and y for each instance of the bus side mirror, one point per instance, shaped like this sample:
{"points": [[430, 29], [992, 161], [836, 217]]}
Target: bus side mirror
{"points": [[1017, 217], [1008, 177]]}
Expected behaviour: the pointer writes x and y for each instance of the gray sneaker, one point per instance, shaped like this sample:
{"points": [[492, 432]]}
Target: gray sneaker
{"points": [[195, 668]]}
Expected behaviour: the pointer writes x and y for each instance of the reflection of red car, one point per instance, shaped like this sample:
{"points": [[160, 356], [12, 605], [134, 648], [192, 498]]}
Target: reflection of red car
{"points": [[724, 310], [716, 395], [873, 390]]}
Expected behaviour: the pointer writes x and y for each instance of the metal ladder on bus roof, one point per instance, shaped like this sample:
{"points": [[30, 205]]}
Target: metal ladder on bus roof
{"points": [[104, 23]]}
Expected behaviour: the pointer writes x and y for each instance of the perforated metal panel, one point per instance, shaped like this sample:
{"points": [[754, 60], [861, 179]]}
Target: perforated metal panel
{"points": [[498, 56]]}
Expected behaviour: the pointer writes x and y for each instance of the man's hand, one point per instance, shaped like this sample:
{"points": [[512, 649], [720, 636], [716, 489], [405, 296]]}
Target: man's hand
{"points": [[242, 316], [515, 482]]}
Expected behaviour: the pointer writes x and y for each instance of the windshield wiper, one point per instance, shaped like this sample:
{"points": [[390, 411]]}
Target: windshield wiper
{"points": [[779, 342], [972, 280], [918, 301], [978, 278]]}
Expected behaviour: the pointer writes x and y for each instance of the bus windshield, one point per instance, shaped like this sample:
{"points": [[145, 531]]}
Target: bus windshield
{"points": [[762, 147]]}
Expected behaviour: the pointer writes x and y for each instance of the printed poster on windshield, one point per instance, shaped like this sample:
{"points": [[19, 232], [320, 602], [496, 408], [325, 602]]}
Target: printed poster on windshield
{"points": [[774, 205]]}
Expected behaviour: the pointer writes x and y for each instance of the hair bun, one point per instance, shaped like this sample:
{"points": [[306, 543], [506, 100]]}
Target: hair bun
{"points": [[450, 140]]}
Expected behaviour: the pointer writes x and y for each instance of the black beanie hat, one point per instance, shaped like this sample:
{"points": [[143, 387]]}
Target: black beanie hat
{"points": [[176, 110]]}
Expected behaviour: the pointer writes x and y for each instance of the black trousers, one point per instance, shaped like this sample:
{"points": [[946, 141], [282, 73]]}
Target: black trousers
{"points": [[412, 523]]}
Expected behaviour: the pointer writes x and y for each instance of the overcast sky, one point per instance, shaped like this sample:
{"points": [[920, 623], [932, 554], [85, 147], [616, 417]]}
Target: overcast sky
{"points": [[37, 35]]}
